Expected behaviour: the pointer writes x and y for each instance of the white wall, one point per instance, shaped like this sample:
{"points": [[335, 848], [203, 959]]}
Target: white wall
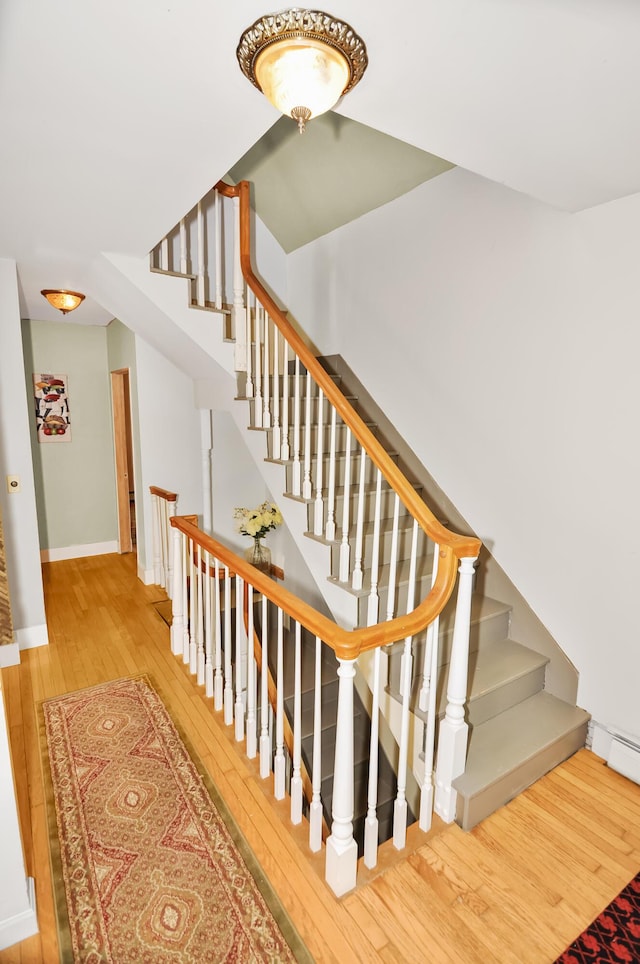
{"points": [[169, 427], [502, 339], [75, 481], [18, 510]]}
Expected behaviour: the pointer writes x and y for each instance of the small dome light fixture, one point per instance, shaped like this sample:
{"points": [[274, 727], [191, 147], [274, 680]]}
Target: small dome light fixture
{"points": [[64, 301], [303, 61]]}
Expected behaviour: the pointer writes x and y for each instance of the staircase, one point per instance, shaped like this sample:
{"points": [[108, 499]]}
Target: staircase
{"points": [[372, 561]]}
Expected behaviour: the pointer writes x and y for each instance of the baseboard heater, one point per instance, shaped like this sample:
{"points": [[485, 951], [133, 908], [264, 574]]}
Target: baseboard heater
{"points": [[624, 757]]}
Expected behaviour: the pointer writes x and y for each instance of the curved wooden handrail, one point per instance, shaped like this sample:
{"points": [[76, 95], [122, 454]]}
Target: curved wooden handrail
{"points": [[163, 494], [461, 546], [347, 644]]}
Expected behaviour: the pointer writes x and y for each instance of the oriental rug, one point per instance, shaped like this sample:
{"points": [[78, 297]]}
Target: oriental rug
{"points": [[150, 865], [614, 935]]}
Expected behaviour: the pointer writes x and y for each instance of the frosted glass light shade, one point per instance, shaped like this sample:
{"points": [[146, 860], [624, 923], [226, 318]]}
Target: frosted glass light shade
{"points": [[302, 72], [64, 301]]}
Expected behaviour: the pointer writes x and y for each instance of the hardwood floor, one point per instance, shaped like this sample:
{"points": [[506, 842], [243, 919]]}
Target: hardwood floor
{"points": [[518, 888]]}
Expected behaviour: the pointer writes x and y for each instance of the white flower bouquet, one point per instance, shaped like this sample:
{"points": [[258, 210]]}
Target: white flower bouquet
{"points": [[257, 522]]}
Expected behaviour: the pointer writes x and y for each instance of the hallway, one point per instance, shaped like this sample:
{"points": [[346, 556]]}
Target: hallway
{"points": [[517, 889]]}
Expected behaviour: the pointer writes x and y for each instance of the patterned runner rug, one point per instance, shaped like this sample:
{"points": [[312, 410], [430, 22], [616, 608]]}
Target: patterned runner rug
{"points": [[154, 868], [614, 935]]}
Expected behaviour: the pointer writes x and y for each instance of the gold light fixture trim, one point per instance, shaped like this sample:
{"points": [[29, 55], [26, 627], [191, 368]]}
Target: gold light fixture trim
{"points": [[303, 61], [64, 301]]}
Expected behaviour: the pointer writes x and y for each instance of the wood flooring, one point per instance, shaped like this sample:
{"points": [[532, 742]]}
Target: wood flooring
{"points": [[518, 888]]}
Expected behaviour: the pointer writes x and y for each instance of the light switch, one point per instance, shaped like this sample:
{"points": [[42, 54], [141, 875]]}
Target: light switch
{"points": [[13, 483]]}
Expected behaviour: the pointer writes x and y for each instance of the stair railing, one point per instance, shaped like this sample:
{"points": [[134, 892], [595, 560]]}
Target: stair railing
{"points": [[163, 507], [337, 465]]}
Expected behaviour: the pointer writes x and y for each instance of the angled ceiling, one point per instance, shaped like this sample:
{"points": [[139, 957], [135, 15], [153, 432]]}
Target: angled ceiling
{"points": [[542, 96], [305, 185]]}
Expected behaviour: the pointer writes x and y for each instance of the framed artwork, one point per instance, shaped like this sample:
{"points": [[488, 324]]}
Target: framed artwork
{"points": [[52, 407]]}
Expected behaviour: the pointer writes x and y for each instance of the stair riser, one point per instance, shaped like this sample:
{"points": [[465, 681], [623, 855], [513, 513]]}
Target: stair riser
{"points": [[340, 464], [290, 409], [341, 434], [385, 545], [481, 633], [479, 708], [387, 502]]}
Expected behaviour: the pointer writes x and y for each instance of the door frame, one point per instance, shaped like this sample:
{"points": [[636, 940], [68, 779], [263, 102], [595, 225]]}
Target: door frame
{"points": [[120, 404]]}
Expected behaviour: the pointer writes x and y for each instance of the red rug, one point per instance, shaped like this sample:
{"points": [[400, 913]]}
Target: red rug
{"points": [[151, 863], [614, 935]]}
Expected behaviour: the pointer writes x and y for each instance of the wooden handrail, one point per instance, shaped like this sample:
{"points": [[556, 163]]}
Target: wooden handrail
{"points": [[347, 644], [461, 546], [163, 494]]}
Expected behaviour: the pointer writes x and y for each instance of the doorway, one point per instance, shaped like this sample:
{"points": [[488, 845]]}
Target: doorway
{"points": [[123, 443]]}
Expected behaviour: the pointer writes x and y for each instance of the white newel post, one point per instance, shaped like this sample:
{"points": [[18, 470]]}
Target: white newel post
{"points": [[342, 850], [177, 602], [238, 310], [452, 740]]}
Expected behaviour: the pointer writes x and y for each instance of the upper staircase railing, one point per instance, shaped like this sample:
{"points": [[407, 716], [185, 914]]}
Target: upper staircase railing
{"points": [[361, 502]]}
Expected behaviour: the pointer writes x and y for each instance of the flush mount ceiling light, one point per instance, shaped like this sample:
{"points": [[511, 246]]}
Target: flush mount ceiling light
{"points": [[64, 301], [303, 61]]}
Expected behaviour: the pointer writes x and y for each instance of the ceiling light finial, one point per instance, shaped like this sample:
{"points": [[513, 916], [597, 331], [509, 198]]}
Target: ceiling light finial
{"points": [[64, 301], [303, 61]]}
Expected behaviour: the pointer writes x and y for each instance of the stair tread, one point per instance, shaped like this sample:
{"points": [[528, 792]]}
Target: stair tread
{"points": [[504, 742], [482, 608], [501, 662]]}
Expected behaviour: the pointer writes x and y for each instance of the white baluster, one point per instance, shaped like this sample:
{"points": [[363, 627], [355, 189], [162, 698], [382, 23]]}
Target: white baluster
{"points": [[239, 708], [342, 850], [423, 698], [318, 513], [184, 264], [393, 562], [249, 387], [296, 478], [218, 677], [266, 413], [170, 583], [406, 668], [208, 627], [428, 696], [193, 599], [345, 548], [252, 735], [238, 312], [315, 809], [258, 402], [228, 643], [284, 442], [296, 778], [217, 217], [164, 254], [452, 737], [330, 530], [265, 742], [186, 601], [374, 599], [356, 579], [306, 482], [200, 622], [157, 559], [371, 823], [275, 390], [279, 761], [177, 602], [200, 282]]}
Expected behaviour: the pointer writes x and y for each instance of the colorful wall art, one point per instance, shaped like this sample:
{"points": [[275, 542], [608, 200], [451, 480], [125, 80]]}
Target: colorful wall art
{"points": [[52, 408]]}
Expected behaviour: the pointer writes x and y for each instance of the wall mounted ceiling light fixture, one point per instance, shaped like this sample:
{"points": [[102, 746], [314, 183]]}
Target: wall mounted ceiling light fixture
{"points": [[64, 301], [303, 61]]}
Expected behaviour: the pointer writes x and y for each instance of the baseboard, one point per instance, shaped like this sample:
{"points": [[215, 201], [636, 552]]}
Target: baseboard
{"points": [[9, 655], [620, 750], [30, 637], [78, 552], [23, 925], [146, 576]]}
